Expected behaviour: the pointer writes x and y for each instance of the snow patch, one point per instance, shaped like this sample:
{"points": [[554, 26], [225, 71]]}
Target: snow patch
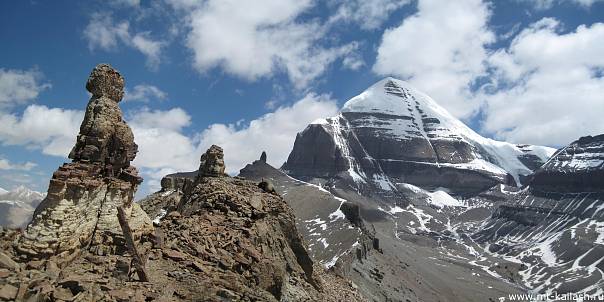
{"points": [[161, 215], [337, 214], [441, 199]]}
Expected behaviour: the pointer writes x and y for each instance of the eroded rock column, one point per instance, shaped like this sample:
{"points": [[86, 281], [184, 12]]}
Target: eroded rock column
{"points": [[80, 210]]}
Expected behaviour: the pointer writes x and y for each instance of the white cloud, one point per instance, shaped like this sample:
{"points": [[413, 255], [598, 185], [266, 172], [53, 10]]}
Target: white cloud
{"points": [[353, 61], [164, 146], [161, 141], [52, 130], [101, 32], [441, 50], [144, 93], [548, 86], [5, 164], [19, 86], [368, 14], [546, 4], [254, 39]]}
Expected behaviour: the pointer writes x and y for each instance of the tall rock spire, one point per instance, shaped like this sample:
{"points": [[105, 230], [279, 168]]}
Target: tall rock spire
{"points": [[81, 206]]}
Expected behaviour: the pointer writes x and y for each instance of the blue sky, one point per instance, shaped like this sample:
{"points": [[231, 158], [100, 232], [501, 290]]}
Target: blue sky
{"points": [[249, 75]]}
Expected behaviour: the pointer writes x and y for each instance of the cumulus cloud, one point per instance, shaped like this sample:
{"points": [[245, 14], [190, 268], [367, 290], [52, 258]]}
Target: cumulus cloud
{"points": [[19, 86], [441, 49], [254, 39], [103, 33], [162, 143], [548, 85], [368, 14], [5, 164], [144, 93], [51, 130], [166, 147]]}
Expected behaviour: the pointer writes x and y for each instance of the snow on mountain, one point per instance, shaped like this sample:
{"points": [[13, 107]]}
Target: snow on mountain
{"points": [[393, 133], [385, 97], [2, 191], [578, 167], [17, 206], [22, 194]]}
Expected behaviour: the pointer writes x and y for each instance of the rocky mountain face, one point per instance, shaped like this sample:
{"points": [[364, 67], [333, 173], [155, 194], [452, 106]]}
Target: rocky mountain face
{"points": [[17, 206], [392, 133], [80, 208], [577, 167]]}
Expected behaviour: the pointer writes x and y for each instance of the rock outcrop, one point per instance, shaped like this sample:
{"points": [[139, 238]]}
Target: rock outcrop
{"points": [[178, 181], [80, 208], [212, 162]]}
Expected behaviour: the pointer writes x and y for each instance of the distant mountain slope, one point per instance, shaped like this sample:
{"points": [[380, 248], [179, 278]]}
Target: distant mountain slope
{"points": [[555, 227], [17, 206], [583, 159], [392, 133]]}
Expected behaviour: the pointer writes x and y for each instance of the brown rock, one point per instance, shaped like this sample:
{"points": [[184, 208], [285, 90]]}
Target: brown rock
{"points": [[8, 263], [8, 292], [22, 291], [35, 264], [61, 293], [52, 268], [174, 215], [212, 162], [174, 255], [120, 295]]}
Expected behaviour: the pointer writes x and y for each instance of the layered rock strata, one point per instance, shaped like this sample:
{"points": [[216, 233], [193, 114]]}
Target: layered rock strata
{"points": [[81, 206]]}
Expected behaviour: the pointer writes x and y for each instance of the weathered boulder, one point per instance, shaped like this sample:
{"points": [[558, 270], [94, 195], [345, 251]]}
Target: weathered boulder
{"points": [[81, 206], [263, 157]]}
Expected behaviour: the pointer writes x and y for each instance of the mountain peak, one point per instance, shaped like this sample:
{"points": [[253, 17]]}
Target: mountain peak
{"points": [[394, 129], [389, 96]]}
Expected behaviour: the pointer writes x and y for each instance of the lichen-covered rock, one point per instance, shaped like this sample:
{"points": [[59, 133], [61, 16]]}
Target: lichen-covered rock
{"points": [[212, 162], [80, 209]]}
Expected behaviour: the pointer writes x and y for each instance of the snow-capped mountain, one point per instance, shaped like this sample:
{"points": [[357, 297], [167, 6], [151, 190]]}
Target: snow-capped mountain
{"points": [[393, 133], [17, 206]]}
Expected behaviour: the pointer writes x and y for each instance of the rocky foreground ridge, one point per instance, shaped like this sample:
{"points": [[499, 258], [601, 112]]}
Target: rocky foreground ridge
{"points": [[225, 239]]}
